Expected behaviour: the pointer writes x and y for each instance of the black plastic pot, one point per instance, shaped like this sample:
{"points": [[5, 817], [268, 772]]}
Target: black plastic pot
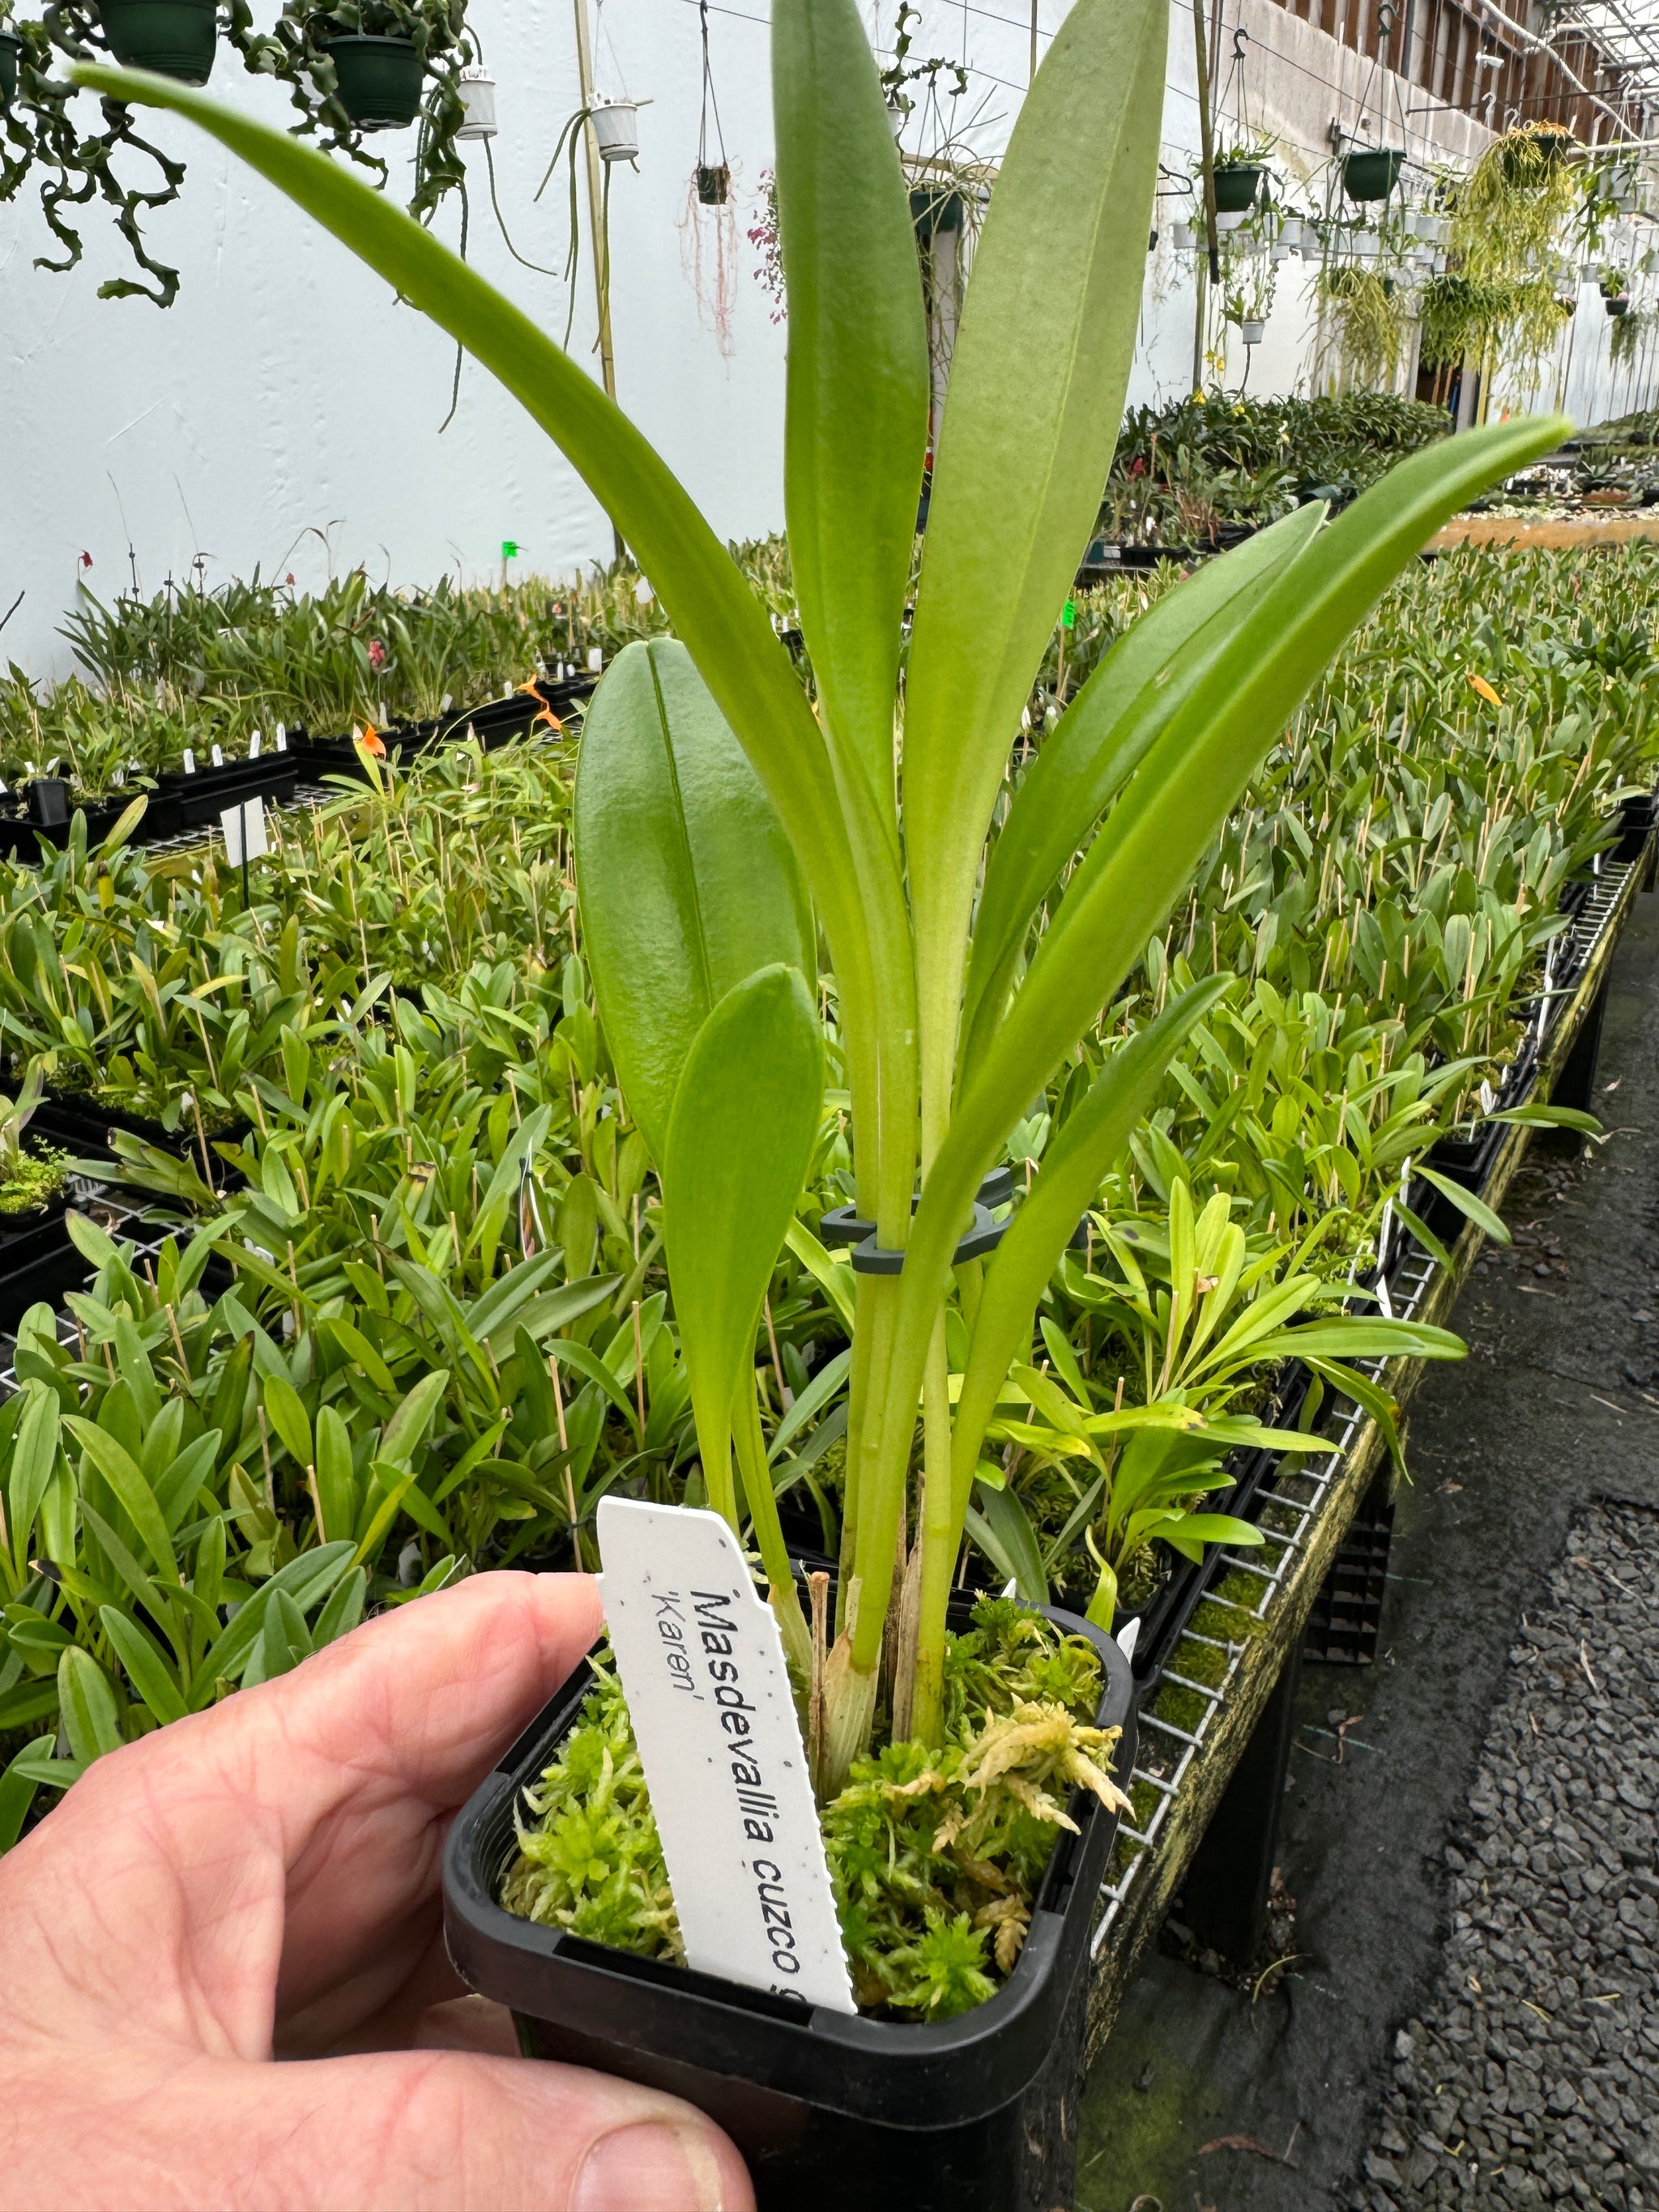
{"points": [[199, 799], [74, 1119], [174, 38], [829, 2111], [380, 79], [1373, 175], [1619, 306], [713, 183], [1637, 819], [38, 1264], [1236, 184], [934, 212], [11, 47]]}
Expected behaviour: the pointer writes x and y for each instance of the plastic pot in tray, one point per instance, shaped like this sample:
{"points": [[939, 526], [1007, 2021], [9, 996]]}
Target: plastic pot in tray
{"points": [[75, 1117], [1637, 819], [829, 2111], [37, 1261], [200, 797]]}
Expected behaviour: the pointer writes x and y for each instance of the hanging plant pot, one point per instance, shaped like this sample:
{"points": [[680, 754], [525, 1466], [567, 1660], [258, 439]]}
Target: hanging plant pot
{"points": [[1372, 176], [1236, 184], [617, 128], [174, 38], [1252, 332], [933, 211], [713, 185], [478, 99], [10, 47], [1617, 306], [380, 79], [1530, 154]]}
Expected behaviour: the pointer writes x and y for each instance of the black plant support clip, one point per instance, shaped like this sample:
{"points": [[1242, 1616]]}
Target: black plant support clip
{"points": [[844, 1224]]}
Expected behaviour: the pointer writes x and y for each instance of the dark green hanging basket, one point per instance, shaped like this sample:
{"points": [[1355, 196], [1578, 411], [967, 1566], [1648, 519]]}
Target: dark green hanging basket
{"points": [[380, 79], [1372, 176], [934, 210], [174, 38], [1236, 188], [10, 47]]}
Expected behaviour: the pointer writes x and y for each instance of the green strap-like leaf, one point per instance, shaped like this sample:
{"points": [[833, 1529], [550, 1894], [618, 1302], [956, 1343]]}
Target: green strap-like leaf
{"points": [[146, 1668], [1037, 378], [35, 1455], [686, 881], [1102, 737], [858, 370], [86, 1705], [740, 1139], [1074, 1165], [136, 1499]]}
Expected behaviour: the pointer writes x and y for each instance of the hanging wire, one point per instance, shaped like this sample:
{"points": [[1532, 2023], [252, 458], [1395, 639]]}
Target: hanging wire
{"points": [[710, 103]]}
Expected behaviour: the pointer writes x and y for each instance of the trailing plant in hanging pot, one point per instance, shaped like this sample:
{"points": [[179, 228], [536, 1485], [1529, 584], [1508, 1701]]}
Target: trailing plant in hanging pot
{"points": [[772, 826], [356, 68]]}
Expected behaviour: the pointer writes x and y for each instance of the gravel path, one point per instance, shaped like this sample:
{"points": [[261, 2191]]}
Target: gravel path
{"points": [[1533, 2075]]}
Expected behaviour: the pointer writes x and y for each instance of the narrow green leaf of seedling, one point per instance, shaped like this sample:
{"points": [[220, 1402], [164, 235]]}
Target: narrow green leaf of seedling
{"points": [[147, 1669], [289, 1420], [1002, 1527], [740, 1139], [136, 1499], [1471, 1207], [17, 1790], [85, 1703], [34, 1457], [686, 881]]}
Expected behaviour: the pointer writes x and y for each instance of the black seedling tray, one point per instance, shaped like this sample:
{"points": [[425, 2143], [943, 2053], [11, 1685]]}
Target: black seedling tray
{"points": [[1345, 1622], [198, 800], [37, 1264]]}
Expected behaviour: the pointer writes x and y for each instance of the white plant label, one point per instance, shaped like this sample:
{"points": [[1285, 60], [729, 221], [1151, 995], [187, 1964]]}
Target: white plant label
{"points": [[701, 1666], [245, 831]]}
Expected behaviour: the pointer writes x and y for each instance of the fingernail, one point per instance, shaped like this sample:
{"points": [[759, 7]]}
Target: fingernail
{"points": [[650, 2167]]}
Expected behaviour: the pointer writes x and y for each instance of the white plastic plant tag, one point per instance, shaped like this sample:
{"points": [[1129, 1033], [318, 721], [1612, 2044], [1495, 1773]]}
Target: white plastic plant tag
{"points": [[701, 1667], [253, 743], [282, 737], [595, 659], [1128, 1636], [1488, 1098], [218, 756], [189, 761], [245, 831]]}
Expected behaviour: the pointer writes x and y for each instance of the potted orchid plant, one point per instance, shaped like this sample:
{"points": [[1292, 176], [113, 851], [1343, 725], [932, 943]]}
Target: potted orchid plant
{"points": [[725, 830]]}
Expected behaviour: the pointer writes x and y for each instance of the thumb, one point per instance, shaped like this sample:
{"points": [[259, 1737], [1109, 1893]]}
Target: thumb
{"points": [[427, 2131]]}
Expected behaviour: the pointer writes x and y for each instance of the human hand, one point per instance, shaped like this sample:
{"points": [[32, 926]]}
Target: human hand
{"points": [[262, 1881]]}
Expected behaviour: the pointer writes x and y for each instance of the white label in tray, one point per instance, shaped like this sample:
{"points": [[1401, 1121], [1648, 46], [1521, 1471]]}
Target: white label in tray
{"points": [[245, 831], [701, 1665]]}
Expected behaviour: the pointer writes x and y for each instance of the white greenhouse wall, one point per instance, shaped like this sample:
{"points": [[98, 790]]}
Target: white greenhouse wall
{"points": [[285, 412]]}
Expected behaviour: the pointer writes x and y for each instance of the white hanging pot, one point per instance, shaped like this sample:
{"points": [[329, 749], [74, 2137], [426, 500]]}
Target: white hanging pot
{"points": [[1232, 221], [1182, 237], [478, 99], [896, 119], [1252, 333], [617, 127], [1282, 249], [1364, 246]]}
